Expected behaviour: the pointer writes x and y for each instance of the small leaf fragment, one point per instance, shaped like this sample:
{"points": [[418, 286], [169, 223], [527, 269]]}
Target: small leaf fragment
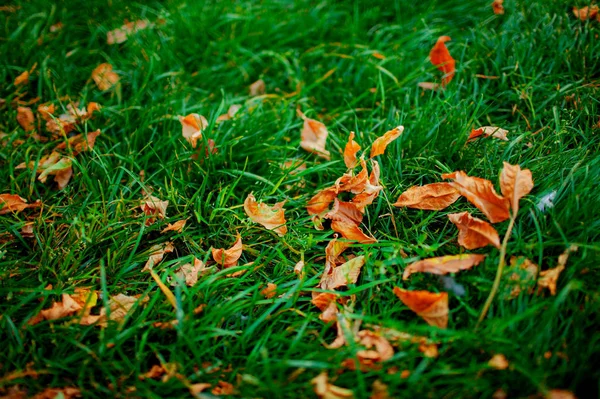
{"points": [[498, 7], [176, 227], [549, 278], [488, 131], [350, 151], [325, 390], [499, 362]]}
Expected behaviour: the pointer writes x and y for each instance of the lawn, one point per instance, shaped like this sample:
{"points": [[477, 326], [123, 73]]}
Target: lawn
{"points": [[355, 66]]}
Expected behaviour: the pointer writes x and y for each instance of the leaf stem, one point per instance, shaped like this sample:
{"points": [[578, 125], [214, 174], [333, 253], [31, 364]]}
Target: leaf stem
{"points": [[499, 272]]}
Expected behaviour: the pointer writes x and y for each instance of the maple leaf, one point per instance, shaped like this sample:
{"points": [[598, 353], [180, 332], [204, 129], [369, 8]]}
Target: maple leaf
{"points": [[14, 203], [441, 58], [313, 137], [121, 34], [176, 227], [515, 183], [228, 257], [549, 278], [152, 206], [493, 131], [269, 291], [157, 252], [26, 118], [271, 217], [350, 151], [481, 193], [189, 273], [473, 232], [258, 88], [498, 7], [499, 362], [432, 307], [444, 264], [585, 13], [192, 126], [434, 197], [325, 390], [104, 76], [380, 144]]}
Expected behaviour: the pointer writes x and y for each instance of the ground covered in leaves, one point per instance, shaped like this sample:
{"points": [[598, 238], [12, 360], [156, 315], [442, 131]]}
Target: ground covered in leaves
{"points": [[300, 199]]}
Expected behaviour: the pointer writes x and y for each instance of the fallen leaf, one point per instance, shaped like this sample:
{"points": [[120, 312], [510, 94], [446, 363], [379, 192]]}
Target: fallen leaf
{"points": [[157, 252], [380, 144], [22, 79], [271, 217], [189, 273], [378, 349], [313, 137], [269, 291], [443, 264], [349, 182], [321, 201], [104, 76], [481, 193], [585, 13], [176, 227], [379, 390], [14, 203], [154, 207], [121, 34], [327, 304], [25, 118], [515, 183], [499, 362], [522, 275], [432, 307], [231, 111], [345, 274], [258, 88], [498, 7], [223, 388], [46, 111], [549, 278], [58, 393], [492, 131], [441, 58], [436, 196], [61, 170], [350, 151], [473, 232], [79, 303], [560, 394], [299, 269], [426, 346], [228, 257], [120, 305], [351, 231], [429, 86], [192, 126], [344, 211], [325, 390], [80, 142], [199, 387], [27, 230]]}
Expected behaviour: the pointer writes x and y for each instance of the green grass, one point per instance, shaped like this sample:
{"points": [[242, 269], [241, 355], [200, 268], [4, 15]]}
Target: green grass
{"points": [[201, 58]]}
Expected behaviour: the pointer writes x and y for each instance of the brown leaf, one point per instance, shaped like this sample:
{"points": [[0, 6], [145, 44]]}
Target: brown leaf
{"points": [[432, 307], [443, 264], [313, 137], [104, 76], [515, 183], [327, 303], [121, 34], [271, 217], [231, 111], [325, 390], [371, 189], [46, 111], [192, 126], [152, 206], [299, 269], [54, 393], [351, 231], [344, 211], [493, 131], [60, 169], [380, 144], [345, 274], [378, 349], [498, 7], [320, 202], [157, 253], [549, 278], [176, 227], [560, 394], [426, 346], [269, 291], [379, 390], [434, 197], [473, 232], [189, 273], [120, 305], [258, 88], [14, 203], [25, 118], [441, 58], [79, 303], [22, 79], [80, 143], [228, 257], [585, 13], [350, 151], [481, 193], [522, 277], [499, 362], [223, 388]]}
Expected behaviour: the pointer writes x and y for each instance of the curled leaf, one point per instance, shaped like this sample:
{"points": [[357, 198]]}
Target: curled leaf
{"points": [[327, 304], [325, 390], [104, 76], [441, 58], [228, 257], [378, 349], [473, 232], [80, 142], [380, 144], [444, 264], [350, 151], [79, 303], [549, 278], [231, 111], [321, 201], [189, 273], [515, 183], [492, 131], [344, 274], [371, 189], [313, 137], [271, 217], [434, 196], [192, 126], [351, 231], [585, 13], [176, 227], [152, 206], [14, 203], [432, 307]]}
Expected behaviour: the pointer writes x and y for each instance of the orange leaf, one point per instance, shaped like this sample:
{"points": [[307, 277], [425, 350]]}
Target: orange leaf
{"points": [[228, 257], [515, 183], [371, 189], [549, 278], [104, 76], [189, 273], [378, 349], [321, 201], [432, 307], [325, 390], [223, 388], [80, 143], [350, 151], [271, 217], [353, 183], [231, 111], [177, 226], [351, 231], [327, 303], [444, 264], [314, 137], [498, 361], [344, 274], [560, 394], [380, 144], [14, 203], [80, 302], [441, 58], [498, 7], [481, 193], [585, 13], [269, 291], [46, 111], [344, 211], [25, 118], [434, 197], [22, 79], [152, 206], [258, 88], [474, 233], [493, 131], [192, 126]]}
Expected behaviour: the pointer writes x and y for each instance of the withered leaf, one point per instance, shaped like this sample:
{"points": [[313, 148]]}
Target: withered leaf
{"points": [[345, 274], [327, 303], [473, 232], [344, 211], [378, 349], [120, 306], [499, 362], [189, 273], [26, 118], [444, 264], [350, 151], [22, 79], [154, 207], [231, 111], [54, 393], [498, 7], [176, 227], [351, 231], [515, 183], [549, 278], [371, 189], [325, 390], [432, 307], [380, 144], [313, 137], [14, 203], [481, 193], [587, 12], [223, 388], [157, 252], [80, 142], [121, 34], [441, 58], [228, 257], [269, 291], [271, 217], [61, 170], [104, 76], [492, 131], [434, 197], [79, 303], [192, 126], [321, 201], [258, 88]]}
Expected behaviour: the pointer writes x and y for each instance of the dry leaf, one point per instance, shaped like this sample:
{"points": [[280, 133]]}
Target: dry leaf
{"points": [[271, 217], [378, 349], [25, 118], [321, 201], [344, 211], [192, 126], [299, 269], [80, 142], [189, 273], [371, 189], [176, 227], [121, 34], [258, 88], [60, 169], [444, 264], [522, 277], [493, 131], [499, 362], [432, 307], [152, 206], [228, 257], [380, 144], [441, 58], [120, 305], [269, 291], [199, 387], [223, 388], [473, 232], [351, 231], [22, 79], [46, 111], [434, 196], [104, 76], [515, 183], [585, 13], [481, 193], [350, 151], [560, 394], [327, 304], [344, 274], [56, 393], [379, 391], [429, 86], [79, 303], [313, 137], [549, 278], [14, 203], [326, 390], [157, 252], [231, 111], [498, 7], [427, 347]]}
